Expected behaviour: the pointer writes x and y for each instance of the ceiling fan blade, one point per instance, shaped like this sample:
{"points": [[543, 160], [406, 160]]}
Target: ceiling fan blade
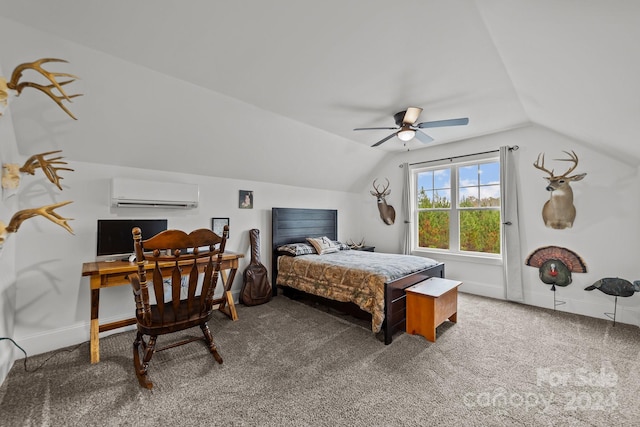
{"points": [[411, 115], [376, 128], [423, 137], [441, 123], [384, 139]]}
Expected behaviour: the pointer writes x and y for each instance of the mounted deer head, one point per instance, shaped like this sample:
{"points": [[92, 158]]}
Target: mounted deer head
{"points": [[387, 213], [559, 212], [14, 87]]}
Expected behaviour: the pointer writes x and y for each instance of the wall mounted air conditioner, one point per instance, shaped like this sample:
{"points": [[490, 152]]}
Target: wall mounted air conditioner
{"points": [[136, 193]]}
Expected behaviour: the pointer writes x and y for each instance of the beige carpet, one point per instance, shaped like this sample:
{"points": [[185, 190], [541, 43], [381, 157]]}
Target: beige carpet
{"points": [[289, 364]]}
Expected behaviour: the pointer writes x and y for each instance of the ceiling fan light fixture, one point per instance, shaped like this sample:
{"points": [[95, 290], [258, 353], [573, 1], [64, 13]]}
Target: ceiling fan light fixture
{"points": [[407, 126], [406, 134]]}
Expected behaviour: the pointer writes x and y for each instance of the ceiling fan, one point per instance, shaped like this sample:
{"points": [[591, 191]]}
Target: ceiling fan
{"points": [[407, 128]]}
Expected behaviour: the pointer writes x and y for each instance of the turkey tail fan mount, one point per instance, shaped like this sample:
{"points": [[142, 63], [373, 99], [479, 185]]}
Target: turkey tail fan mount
{"points": [[406, 127], [572, 260]]}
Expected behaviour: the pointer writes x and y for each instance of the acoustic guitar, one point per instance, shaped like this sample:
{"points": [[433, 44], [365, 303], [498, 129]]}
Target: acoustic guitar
{"points": [[256, 288]]}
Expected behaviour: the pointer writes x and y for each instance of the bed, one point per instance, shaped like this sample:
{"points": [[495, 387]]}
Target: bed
{"points": [[363, 283]]}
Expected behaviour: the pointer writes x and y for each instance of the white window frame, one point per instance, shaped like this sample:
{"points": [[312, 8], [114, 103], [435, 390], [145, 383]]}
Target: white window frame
{"points": [[454, 251]]}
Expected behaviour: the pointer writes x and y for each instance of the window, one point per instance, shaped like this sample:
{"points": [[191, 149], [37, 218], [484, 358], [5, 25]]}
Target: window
{"points": [[457, 207]]}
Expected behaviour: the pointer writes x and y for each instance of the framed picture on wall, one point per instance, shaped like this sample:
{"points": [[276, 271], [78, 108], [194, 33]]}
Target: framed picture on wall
{"points": [[245, 199], [217, 225]]}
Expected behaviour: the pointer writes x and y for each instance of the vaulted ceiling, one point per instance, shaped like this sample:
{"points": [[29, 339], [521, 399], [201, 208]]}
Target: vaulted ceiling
{"points": [[329, 66]]}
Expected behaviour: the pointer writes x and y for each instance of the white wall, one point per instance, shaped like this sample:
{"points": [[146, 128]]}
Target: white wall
{"points": [[52, 308], [133, 116], [605, 232], [8, 153]]}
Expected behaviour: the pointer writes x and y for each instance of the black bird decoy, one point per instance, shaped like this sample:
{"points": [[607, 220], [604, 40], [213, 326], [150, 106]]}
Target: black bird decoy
{"points": [[615, 286]]}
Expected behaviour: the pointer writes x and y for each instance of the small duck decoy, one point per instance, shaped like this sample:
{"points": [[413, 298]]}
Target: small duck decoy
{"points": [[615, 286]]}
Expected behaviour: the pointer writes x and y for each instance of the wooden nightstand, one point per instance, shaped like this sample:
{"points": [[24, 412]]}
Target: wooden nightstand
{"points": [[365, 248]]}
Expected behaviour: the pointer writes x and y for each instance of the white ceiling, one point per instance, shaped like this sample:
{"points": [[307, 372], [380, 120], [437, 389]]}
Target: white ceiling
{"points": [[569, 65]]}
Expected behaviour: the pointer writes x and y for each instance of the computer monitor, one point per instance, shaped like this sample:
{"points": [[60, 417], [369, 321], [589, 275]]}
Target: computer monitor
{"points": [[115, 240]]}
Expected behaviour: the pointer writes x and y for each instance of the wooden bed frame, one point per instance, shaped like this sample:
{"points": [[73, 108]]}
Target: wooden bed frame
{"points": [[292, 225]]}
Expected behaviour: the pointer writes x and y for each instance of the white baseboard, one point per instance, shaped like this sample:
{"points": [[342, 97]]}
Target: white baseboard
{"points": [[55, 339], [624, 313], [72, 335], [481, 289], [6, 358]]}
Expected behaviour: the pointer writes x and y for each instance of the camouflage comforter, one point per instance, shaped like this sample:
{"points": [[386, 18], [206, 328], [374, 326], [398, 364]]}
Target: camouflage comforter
{"points": [[349, 276]]}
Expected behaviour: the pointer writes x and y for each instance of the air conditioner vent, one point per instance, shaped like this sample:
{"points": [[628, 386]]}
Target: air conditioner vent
{"points": [[135, 193]]}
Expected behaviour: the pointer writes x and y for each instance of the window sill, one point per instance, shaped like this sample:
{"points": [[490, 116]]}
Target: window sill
{"points": [[443, 256]]}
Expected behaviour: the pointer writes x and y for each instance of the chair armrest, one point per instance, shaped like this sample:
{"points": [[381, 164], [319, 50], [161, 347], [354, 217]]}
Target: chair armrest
{"points": [[141, 296]]}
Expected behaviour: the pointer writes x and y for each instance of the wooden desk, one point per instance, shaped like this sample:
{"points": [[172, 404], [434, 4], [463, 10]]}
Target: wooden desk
{"points": [[430, 303], [107, 274]]}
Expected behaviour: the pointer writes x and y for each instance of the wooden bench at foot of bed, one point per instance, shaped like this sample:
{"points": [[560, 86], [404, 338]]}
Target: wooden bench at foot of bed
{"points": [[429, 304]]}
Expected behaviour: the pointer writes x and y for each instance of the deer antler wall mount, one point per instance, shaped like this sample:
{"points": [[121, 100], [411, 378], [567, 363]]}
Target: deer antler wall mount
{"points": [[10, 176], [46, 211], [54, 90], [355, 245], [50, 167], [11, 180]]}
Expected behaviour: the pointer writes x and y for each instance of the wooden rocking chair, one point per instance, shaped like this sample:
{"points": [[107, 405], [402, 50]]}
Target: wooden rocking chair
{"points": [[182, 306]]}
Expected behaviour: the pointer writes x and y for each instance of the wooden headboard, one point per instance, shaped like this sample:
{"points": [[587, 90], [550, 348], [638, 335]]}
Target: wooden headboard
{"points": [[293, 225]]}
